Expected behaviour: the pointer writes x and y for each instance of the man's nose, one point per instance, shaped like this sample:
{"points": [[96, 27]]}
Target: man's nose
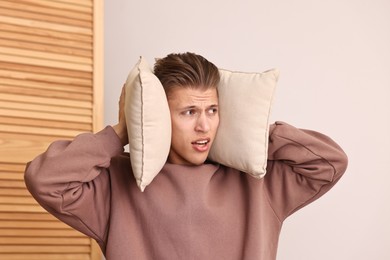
{"points": [[202, 124]]}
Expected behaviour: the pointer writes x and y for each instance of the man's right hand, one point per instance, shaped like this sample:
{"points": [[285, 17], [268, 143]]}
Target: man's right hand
{"points": [[120, 128]]}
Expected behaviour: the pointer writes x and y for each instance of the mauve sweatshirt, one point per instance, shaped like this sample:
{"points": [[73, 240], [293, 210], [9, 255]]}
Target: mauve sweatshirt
{"points": [[187, 212]]}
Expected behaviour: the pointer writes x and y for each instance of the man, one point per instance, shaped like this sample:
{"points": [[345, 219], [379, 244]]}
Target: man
{"points": [[193, 209]]}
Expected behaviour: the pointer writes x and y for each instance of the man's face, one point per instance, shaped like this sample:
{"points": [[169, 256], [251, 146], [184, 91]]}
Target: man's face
{"points": [[195, 120]]}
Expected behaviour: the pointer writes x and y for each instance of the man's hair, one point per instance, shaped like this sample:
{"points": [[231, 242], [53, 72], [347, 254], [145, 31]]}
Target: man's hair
{"points": [[186, 70]]}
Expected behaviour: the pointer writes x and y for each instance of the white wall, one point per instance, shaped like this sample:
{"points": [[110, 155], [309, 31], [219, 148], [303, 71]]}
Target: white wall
{"points": [[334, 58]]}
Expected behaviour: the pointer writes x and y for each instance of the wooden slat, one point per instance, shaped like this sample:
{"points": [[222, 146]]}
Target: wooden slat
{"points": [[43, 241], [11, 167], [45, 40], [43, 115], [60, 75], [45, 25], [11, 184], [88, 3], [11, 176], [39, 122], [43, 62], [37, 256], [43, 17], [45, 93], [44, 108], [43, 100], [33, 224], [45, 37], [36, 81], [45, 48], [14, 192], [29, 216], [21, 208], [8, 140], [77, 6], [17, 200], [25, 232], [41, 7], [7, 82], [38, 130], [44, 249], [45, 56]]}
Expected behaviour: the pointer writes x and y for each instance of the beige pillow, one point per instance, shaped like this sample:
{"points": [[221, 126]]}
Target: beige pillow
{"points": [[148, 123], [245, 100]]}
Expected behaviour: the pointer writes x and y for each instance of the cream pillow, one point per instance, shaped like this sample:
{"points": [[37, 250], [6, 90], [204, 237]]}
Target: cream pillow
{"points": [[245, 100], [148, 123]]}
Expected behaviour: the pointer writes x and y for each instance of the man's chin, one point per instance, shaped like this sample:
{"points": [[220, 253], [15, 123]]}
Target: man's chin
{"points": [[194, 159], [198, 161]]}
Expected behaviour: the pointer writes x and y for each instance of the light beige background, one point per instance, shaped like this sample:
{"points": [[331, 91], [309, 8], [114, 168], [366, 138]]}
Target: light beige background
{"points": [[334, 58]]}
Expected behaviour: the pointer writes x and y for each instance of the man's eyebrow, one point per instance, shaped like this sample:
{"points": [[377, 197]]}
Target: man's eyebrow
{"points": [[213, 106], [189, 107], [196, 107]]}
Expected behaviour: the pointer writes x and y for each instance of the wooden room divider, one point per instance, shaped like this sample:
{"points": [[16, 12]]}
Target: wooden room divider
{"points": [[51, 87]]}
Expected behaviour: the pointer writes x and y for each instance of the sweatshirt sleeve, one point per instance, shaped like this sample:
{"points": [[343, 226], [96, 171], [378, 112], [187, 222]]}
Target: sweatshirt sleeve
{"points": [[302, 166], [71, 181]]}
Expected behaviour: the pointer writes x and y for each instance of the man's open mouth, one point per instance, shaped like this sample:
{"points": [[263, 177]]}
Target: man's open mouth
{"points": [[202, 142]]}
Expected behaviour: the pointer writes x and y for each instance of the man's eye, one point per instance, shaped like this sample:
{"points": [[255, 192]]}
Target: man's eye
{"points": [[189, 112], [213, 111]]}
